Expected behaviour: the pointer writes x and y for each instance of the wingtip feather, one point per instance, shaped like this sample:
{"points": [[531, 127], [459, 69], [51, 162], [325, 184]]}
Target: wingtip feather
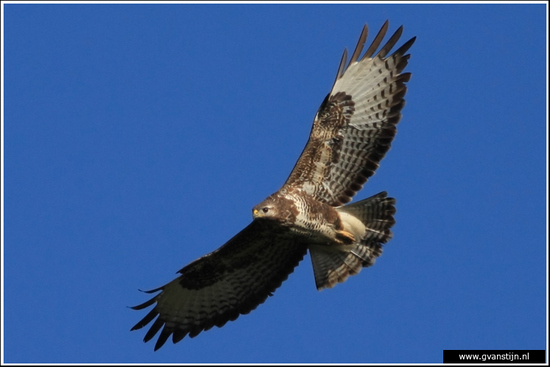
{"points": [[360, 45], [377, 40]]}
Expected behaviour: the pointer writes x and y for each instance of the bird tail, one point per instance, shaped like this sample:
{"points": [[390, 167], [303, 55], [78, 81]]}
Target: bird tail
{"points": [[334, 264]]}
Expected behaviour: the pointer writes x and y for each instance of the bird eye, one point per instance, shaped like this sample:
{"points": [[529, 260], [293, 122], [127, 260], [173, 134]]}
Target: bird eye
{"points": [[265, 209]]}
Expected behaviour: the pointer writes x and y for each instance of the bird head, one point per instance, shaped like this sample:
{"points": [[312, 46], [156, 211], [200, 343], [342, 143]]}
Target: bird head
{"points": [[266, 209]]}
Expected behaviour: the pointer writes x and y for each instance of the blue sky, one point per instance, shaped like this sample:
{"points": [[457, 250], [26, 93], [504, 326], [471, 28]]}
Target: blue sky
{"points": [[139, 137]]}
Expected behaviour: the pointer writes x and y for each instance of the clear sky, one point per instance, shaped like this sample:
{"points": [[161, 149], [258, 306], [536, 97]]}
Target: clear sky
{"points": [[139, 137]]}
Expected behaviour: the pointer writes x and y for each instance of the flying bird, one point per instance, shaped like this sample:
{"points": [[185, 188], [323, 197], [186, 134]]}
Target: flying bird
{"points": [[352, 131]]}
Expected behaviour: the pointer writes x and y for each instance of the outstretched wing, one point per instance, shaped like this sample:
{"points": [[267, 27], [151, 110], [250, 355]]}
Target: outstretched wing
{"points": [[356, 123], [224, 284]]}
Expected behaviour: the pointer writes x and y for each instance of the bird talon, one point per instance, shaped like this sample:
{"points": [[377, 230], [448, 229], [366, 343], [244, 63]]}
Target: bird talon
{"points": [[345, 237]]}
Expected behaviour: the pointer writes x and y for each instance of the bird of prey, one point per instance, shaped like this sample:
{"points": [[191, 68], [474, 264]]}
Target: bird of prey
{"points": [[351, 133]]}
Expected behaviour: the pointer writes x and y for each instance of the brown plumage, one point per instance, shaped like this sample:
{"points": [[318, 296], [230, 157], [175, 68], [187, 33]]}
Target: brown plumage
{"points": [[351, 133]]}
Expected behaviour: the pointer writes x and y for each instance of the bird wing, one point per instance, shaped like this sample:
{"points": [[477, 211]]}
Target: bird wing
{"points": [[356, 123], [224, 284]]}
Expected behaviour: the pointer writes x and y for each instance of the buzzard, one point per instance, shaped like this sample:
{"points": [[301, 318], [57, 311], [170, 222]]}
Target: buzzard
{"points": [[351, 133]]}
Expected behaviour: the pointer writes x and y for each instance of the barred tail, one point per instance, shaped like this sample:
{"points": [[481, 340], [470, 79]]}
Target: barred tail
{"points": [[334, 264]]}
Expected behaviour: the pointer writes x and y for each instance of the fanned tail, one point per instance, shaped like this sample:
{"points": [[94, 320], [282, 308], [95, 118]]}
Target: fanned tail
{"points": [[334, 264]]}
